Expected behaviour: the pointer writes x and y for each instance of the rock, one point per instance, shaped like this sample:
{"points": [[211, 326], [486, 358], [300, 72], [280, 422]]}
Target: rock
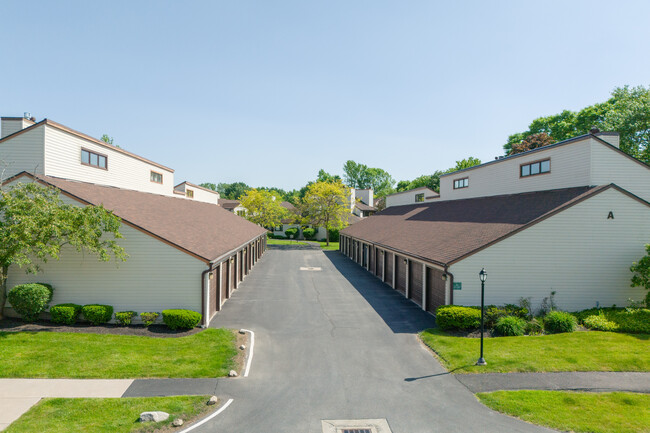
{"points": [[177, 422], [242, 347], [233, 373], [213, 400], [241, 331], [155, 416]]}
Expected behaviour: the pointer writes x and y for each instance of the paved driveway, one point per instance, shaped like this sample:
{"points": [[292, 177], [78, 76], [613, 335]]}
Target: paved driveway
{"points": [[338, 344]]}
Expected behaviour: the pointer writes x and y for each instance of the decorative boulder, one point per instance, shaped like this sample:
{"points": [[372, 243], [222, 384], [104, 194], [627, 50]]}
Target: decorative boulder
{"points": [[177, 422], [213, 400], [233, 373], [155, 416]]}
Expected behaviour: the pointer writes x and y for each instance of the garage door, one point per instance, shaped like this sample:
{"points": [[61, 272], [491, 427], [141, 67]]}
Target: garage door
{"points": [[435, 289], [415, 282], [400, 274], [389, 269]]}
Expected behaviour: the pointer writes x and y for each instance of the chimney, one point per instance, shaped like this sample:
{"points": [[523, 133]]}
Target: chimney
{"points": [[11, 125], [612, 138]]}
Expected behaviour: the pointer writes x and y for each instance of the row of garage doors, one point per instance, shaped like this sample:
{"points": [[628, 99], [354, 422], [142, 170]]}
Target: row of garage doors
{"points": [[424, 285], [226, 276]]}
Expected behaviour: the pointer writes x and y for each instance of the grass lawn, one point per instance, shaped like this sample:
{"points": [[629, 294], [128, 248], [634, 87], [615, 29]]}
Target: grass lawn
{"points": [[611, 412], [576, 351], [284, 242], [334, 246], [209, 353], [105, 415]]}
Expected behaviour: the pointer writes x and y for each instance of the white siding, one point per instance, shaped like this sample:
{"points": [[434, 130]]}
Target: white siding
{"points": [[199, 194], [23, 153], [408, 197], [609, 166], [63, 159], [570, 166], [578, 253]]}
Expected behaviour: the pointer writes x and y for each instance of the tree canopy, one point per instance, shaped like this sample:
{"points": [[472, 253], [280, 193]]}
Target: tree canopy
{"points": [[432, 181], [35, 224], [263, 208], [360, 176], [326, 204], [232, 191], [209, 185], [626, 112]]}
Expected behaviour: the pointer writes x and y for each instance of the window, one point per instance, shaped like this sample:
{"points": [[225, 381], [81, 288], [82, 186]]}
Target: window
{"points": [[94, 159], [534, 168], [419, 198], [155, 177], [461, 183], [189, 193]]}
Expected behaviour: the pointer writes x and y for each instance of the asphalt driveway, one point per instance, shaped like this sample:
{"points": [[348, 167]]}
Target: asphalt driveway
{"points": [[336, 343]]}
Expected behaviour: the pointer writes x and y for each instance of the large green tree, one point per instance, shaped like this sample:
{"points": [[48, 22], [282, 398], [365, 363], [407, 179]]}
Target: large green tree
{"points": [[232, 191], [326, 204], [263, 208], [360, 176], [35, 224], [626, 112], [209, 185]]}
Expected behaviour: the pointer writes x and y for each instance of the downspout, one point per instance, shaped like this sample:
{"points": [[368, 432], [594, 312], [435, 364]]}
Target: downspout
{"points": [[204, 297], [450, 278]]}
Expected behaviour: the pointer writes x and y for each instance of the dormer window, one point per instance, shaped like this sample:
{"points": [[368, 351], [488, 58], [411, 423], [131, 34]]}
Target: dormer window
{"points": [[156, 177], [189, 193], [535, 168], [94, 159], [419, 198], [461, 183]]}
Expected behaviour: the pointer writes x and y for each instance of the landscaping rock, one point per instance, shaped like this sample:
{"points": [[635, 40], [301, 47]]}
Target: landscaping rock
{"points": [[156, 416], [241, 331], [177, 422], [242, 347], [213, 400], [233, 373]]}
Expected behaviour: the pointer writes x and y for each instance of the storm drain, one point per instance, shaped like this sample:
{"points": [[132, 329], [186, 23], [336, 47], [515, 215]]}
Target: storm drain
{"points": [[356, 430], [355, 426]]}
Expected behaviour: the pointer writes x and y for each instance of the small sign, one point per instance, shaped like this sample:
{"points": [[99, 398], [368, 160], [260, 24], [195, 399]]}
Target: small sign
{"points": [[458, 286]]}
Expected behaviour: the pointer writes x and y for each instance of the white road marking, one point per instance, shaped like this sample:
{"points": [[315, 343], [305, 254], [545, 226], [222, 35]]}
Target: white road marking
{"points": [[250, 353], [208, 418]]}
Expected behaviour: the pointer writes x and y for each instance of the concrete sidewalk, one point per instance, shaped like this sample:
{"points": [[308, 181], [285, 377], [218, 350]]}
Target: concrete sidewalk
{"points": [[18, 395], [593, 381]]}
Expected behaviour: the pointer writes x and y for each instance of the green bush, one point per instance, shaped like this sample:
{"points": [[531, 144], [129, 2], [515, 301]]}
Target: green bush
{"points": [[291, 233], [559, 321], [29, 300], [50, 290], [148, 319], [124, 318], [632, 320], [334, 235], [534, 327], [65, 314], [449, 317], [97, 314], [181, 319], [309, 233], [598, 322], [510, 326]]}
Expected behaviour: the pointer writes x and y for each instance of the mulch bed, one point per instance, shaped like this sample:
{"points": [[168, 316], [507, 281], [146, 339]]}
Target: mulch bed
{"points": [[162, 331]]}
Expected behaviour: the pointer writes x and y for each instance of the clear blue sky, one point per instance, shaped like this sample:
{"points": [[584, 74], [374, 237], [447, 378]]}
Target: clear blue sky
{"points": [[269, 92]]}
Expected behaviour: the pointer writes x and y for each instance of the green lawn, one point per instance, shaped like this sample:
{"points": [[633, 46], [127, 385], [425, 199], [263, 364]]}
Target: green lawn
{"points": [[284, 242], [333, 246], [209, 353], [105, 415], [615, 412], [577, 351]]}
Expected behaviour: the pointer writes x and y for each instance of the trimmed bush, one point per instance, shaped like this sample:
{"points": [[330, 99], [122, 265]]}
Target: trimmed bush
{"points": [[181, 319], [556, 322], [309, 233], [450, 317], [534, 327], [50, 289], [334, 235], [599, 323], [633, 320], [510, 326], [29, 300], [148, 319], [124, 318], [97, 314], [291, 233], [65, 314]]}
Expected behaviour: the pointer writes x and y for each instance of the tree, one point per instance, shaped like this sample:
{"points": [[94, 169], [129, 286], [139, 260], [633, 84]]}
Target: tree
{"points": [[106, 139], [263, 208], [641, 277], [626, 112], [432, 181], [360, 176], [531, 142], [232, 191], [35, 224], [324, 176], [326, 204], [464, 163], [209, 185]]}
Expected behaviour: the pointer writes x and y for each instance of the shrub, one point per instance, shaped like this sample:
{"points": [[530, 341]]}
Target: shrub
{"points": [[29, 300], [65, 314], [124, 318], [548, 305], [453, 317], [291, 233], [559, 321], [148, 318], [534, 327], [181, 319], [50, 290], [599, 322], [627, 320], [97, 313], [309, 233], [510, 326], [334, 235]]}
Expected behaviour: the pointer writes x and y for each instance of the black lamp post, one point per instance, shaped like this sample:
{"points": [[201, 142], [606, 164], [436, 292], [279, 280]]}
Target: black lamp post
{"points": [[483, 276]]}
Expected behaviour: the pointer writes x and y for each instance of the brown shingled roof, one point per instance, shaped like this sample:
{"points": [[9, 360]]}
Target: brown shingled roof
{"points": [[446, 231], [362, 206], [203, 230], [228, 204]]}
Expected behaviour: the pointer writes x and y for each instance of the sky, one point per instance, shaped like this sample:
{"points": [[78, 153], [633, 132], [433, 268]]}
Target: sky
{"points": [[269, 92]]}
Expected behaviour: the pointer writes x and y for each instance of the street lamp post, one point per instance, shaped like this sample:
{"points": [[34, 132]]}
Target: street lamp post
{"points": [[483, 276]]}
